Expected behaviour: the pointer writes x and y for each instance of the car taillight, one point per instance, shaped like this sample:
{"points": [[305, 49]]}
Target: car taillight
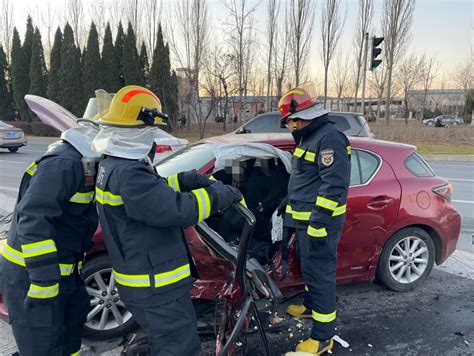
{"points": [[444, 191], [163, 148]]}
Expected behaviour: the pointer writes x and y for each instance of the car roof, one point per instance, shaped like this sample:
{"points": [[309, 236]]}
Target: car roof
{"points": [[285, 139]]}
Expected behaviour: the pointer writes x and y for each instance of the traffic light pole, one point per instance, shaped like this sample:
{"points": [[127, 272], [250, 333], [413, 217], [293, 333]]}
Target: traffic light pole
{"points": [[366, 40]]}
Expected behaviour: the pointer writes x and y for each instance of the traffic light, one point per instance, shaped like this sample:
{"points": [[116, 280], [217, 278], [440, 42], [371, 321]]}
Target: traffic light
{"points": [[374, 63]]}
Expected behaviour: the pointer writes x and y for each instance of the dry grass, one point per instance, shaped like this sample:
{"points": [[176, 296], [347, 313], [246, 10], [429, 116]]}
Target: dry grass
{"points": [[429, 140]]}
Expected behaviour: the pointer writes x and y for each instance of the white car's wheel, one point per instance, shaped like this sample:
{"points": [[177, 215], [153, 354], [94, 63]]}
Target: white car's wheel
{"points": [[406, 260], [108, 317]]}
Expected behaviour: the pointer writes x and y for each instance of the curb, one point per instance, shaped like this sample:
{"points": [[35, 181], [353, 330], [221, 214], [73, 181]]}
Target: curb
{"points": [[454, 158]]}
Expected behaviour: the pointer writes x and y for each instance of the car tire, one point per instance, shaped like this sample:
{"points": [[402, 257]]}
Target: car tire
{"points": [[430, 123], [13, 149], [406, 259], [100, 267]]}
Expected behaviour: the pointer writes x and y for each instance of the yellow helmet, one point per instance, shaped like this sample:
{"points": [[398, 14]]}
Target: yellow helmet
{"points": [[133, 106]]}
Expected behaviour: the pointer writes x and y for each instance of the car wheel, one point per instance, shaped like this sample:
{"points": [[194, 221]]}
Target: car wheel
{"points": [[13, 149], [430, 123], [406, 259], [108, 317]]}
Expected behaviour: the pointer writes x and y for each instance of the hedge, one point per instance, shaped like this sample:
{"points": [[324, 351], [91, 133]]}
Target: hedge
{"points": [[36, 128]]}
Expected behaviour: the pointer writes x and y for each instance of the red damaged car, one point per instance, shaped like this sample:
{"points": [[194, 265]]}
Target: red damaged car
{"points": [[399, 222]]}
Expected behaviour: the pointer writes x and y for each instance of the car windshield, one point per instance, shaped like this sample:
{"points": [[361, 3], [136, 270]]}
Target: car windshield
{"points": [[191, 157], [4, 125]]}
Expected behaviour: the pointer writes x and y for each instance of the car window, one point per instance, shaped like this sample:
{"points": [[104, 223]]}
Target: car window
{"points": [[188, 158], [341, 122], [416, 165], [262, 124], [363, 166]]}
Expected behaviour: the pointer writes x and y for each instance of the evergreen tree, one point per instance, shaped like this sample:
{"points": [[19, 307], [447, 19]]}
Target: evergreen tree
{"points": [[110, 63], [38, 73], [6, 100], [70, 74], [144, 65], [119, 43], [92, 75], [20, 78], [131, 68], [29, 39], [162, 83], [54, 84], [160, 68]]}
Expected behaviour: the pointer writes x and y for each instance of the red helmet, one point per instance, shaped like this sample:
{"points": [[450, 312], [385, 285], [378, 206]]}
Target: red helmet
{"points": [[297, 99]]}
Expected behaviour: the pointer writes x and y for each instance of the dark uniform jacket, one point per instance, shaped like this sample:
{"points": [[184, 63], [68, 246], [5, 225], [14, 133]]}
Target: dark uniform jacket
{"points": [[142, 216], [53, 223], [318, 185]]}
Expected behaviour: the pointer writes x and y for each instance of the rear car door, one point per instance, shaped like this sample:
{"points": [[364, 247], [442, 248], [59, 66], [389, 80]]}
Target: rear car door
{"points": [[372, 207]]}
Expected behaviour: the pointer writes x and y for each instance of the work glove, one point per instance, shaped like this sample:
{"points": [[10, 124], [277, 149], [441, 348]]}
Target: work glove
{"points": [[47, 290], [191, 180], [223, 196]]}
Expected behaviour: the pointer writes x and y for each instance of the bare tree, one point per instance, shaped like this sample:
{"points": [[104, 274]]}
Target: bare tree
{"points": [[222, 69], [153, 13], [331, 29], [116, 11], [408, 76], [240, 30], [6, 25], [281, 58], [97, 10], [340, 78], [273, 9], [364, 21], [301, 14], [463, 77], [377, 83], [429, 72], [397, 18], [190, 43], [133, 14], [75, 17]]}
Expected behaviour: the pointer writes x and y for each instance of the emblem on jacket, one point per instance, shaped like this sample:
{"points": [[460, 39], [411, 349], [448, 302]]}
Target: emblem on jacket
{"points": [[327, 157]]}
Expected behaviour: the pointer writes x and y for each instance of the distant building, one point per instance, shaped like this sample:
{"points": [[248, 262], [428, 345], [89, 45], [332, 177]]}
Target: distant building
{"points": [[447, 101]]}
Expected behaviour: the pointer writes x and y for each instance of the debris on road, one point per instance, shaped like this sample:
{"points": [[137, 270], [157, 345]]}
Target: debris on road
{"points": [[340, 341]]}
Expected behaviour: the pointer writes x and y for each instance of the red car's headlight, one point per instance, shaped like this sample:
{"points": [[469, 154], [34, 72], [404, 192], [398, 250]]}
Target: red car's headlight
{"points": [[444, 191]]}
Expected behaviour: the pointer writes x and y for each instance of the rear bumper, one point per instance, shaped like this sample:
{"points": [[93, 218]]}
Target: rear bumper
{"points": [[4, 143], [449, 233]]}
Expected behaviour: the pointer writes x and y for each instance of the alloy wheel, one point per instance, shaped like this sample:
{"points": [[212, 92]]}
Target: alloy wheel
{"points": [[107, 309], [408, 259]]}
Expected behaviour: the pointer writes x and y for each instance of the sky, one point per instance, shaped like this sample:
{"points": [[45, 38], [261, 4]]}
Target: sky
{"points": [[444, 28]]}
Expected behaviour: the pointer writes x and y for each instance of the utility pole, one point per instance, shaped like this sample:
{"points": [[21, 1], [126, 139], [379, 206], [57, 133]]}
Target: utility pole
{"points": [[364, 75]]}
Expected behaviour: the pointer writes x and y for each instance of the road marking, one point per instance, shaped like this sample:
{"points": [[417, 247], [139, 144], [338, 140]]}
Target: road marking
{"points": [[17, 162], [463, 201], [460, 180]]}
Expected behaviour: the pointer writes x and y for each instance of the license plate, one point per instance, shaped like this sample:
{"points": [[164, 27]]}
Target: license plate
{"points": [[10, 135]]}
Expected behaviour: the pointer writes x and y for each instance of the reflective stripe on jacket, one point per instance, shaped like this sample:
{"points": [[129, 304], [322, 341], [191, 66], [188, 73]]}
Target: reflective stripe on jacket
{"points": [[319, 181]]}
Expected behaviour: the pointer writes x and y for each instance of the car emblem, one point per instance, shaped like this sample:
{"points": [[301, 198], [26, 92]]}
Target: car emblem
{"points": [[327, 157]]}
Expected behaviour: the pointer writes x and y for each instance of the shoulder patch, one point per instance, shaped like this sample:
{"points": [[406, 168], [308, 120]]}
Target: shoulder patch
{"points": [[327, 157]]}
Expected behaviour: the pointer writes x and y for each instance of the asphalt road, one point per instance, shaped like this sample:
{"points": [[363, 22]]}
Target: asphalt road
{"points": [[437, 318]]}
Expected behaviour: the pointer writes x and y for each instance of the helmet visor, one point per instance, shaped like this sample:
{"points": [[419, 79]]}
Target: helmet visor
{"points": [[98, 106]]}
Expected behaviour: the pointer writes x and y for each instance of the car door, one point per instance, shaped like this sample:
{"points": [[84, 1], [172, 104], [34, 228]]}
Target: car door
{"points": [[372, 207]]}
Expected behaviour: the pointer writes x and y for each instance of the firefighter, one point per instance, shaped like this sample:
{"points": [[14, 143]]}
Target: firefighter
{"points": [[54, 220], [143, 215], [317, 192]]}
